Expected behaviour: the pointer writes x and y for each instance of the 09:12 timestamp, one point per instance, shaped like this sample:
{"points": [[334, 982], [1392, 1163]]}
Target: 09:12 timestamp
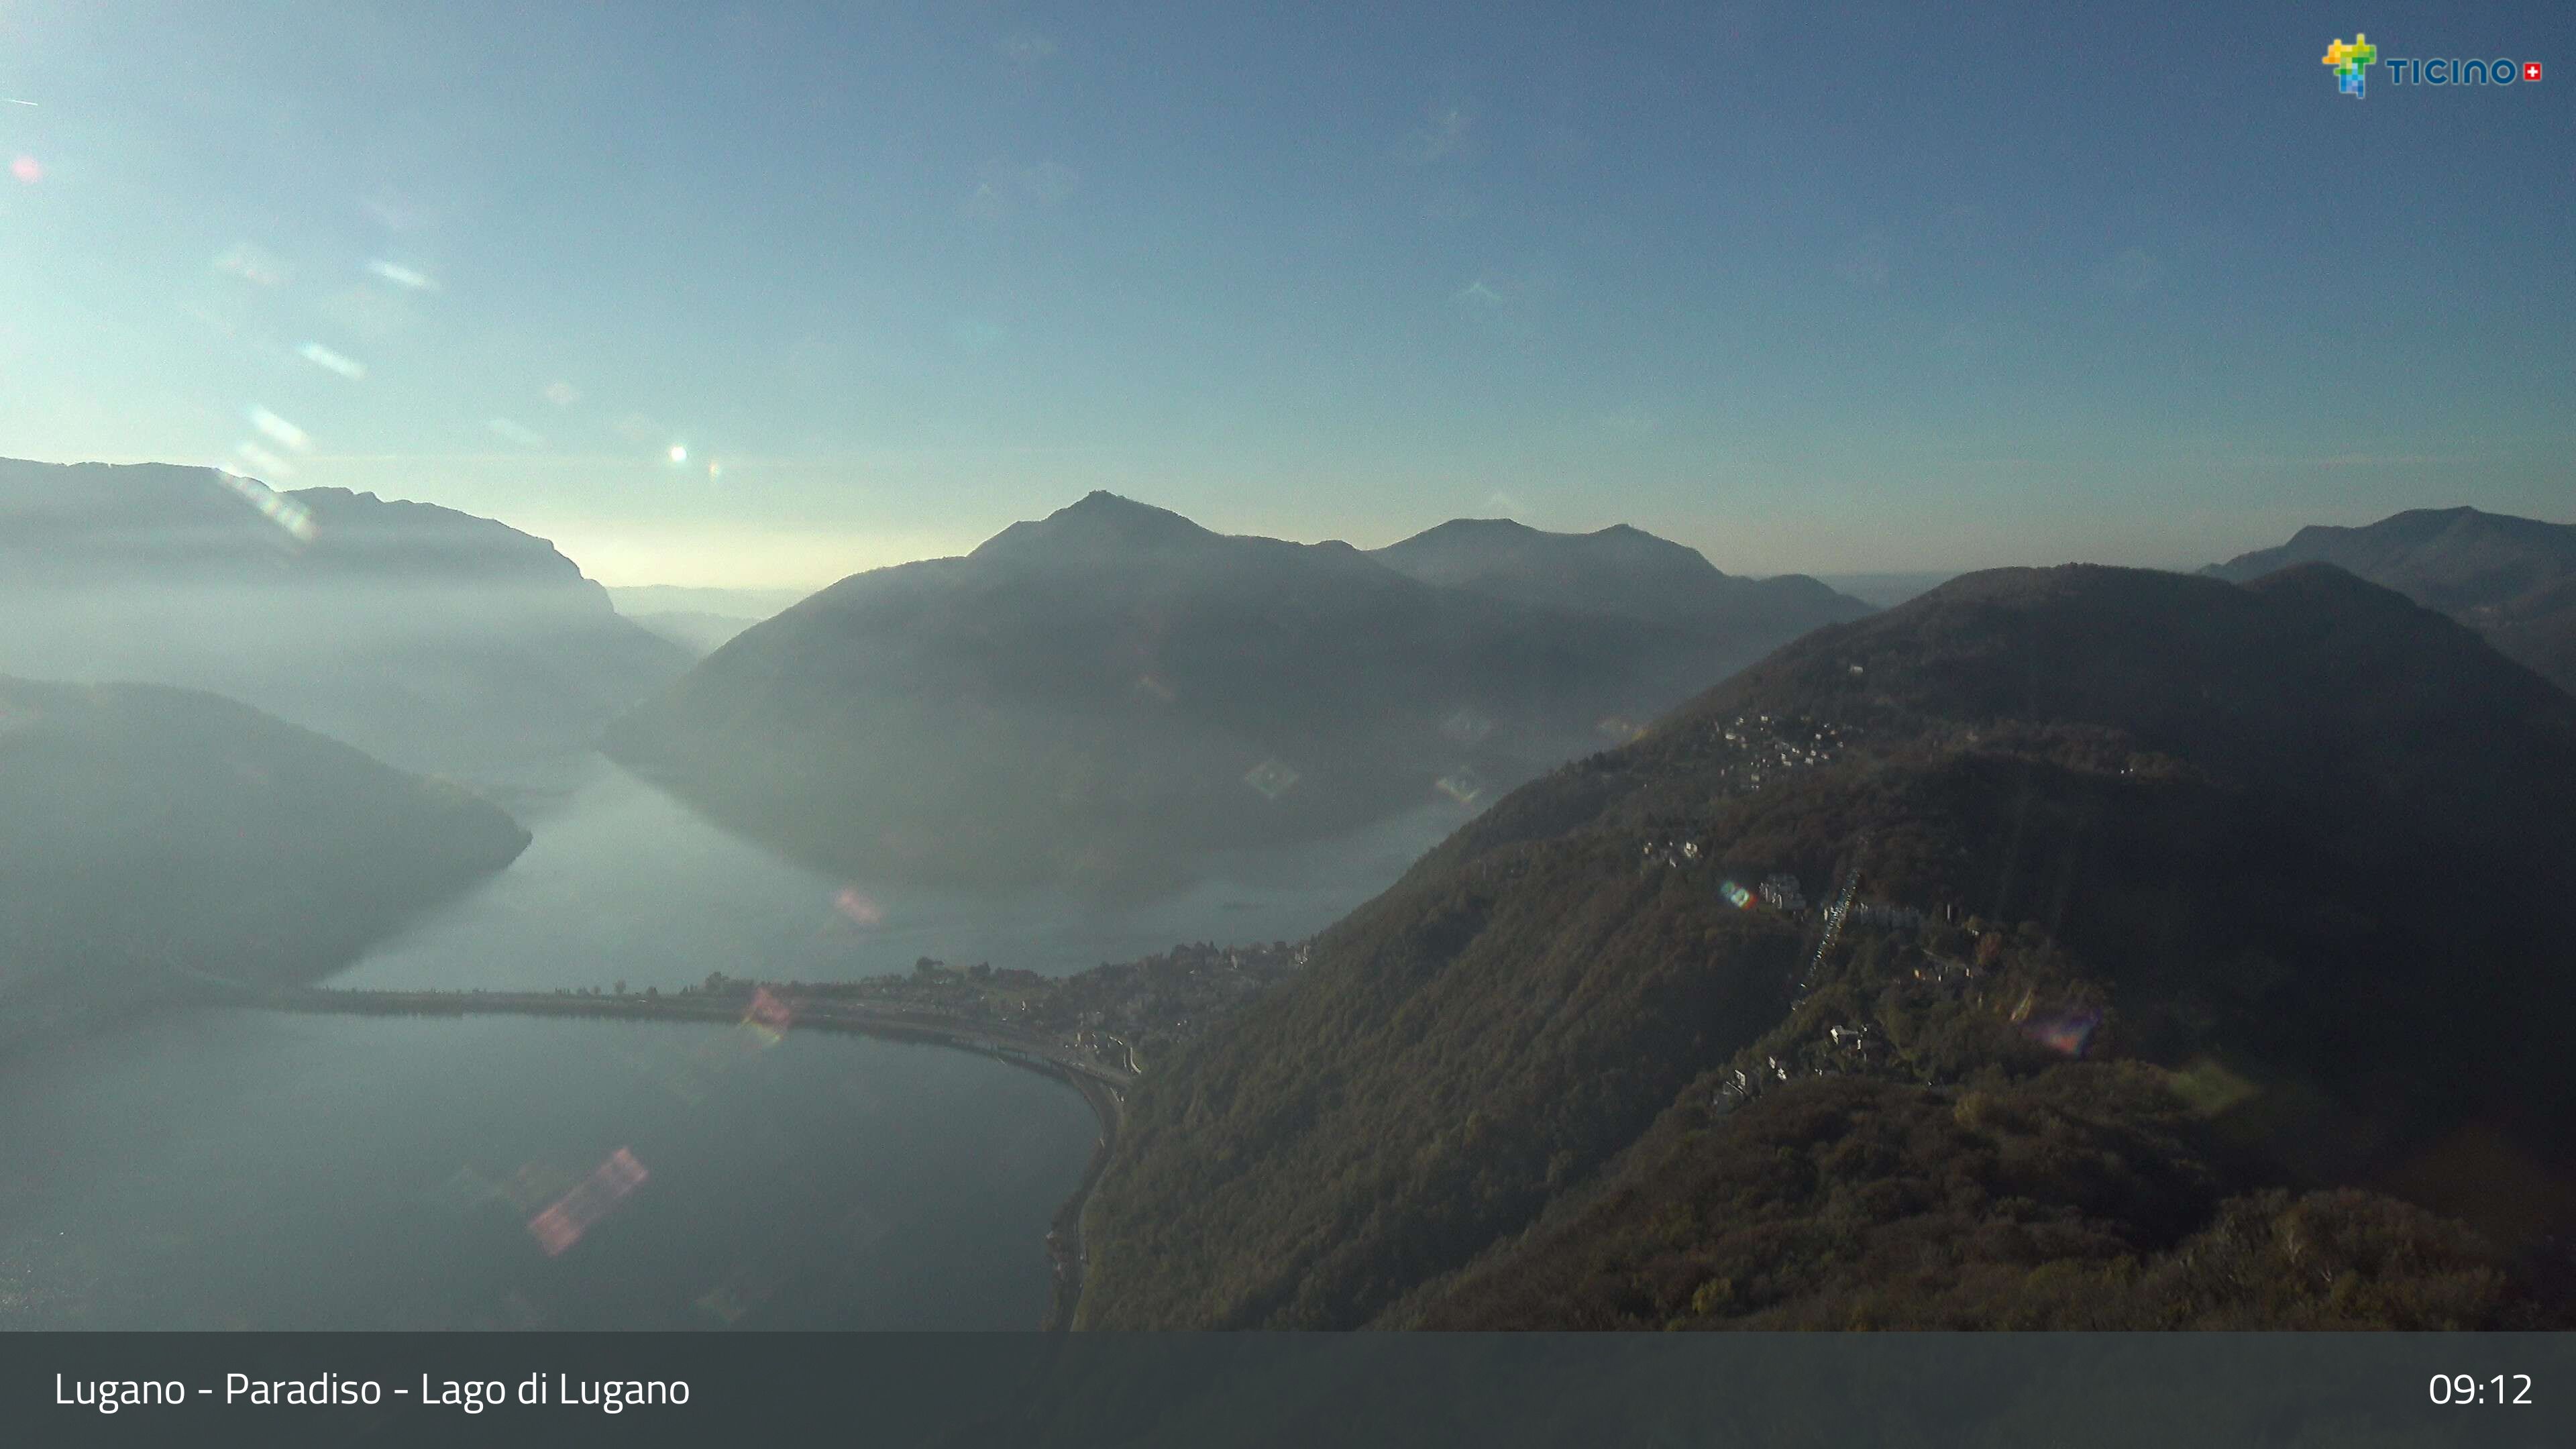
{"points": [[2470, 1389]]}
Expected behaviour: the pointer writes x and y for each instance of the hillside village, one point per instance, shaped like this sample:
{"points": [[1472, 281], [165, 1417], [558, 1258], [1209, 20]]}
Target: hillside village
{"points": [[1883, 953]]}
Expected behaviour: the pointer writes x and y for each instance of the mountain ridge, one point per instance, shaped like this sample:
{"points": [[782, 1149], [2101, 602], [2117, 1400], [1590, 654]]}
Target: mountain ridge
{"points": [[1619, 569], [2512, 579], [149, 834], [1539, 1059], [430, 636], [1139, 689]]}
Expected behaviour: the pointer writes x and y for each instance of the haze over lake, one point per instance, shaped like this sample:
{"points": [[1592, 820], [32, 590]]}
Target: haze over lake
{"points": [[239, 1168]]}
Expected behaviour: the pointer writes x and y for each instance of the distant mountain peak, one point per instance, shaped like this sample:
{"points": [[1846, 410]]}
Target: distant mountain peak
{"points": [[1100, 507], [1621, 569], [1099, 522], [1513, 528], [2513, 579]]}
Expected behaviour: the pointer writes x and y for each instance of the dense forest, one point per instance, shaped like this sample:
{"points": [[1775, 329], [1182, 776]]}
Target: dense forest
{"points": [[2158, 952]]}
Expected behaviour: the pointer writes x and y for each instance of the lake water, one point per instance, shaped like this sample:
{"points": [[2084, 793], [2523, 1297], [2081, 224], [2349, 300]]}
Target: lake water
{"points": [[622, 882], [258, 1170]]}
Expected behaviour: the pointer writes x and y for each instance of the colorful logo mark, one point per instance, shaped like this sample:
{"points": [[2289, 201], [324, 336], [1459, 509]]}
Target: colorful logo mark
{"points": [[2351, 62], [2352, 59]]}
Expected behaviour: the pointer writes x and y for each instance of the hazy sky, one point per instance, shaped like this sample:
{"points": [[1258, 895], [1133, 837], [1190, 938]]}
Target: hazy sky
{"points": [[1917, 287]]}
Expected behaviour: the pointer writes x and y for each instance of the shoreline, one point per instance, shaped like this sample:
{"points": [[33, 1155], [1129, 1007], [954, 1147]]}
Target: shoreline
{"points": [[1100, 1085], [1065, 1247]]}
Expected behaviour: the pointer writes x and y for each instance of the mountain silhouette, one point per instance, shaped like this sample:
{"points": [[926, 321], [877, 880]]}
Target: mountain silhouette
{"points": [[431, 637], [1099, 697], [2512, 579], [150, 836], [1618, 570]]}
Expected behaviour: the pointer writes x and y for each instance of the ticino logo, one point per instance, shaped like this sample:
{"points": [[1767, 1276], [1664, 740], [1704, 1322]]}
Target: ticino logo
{"points": [[2352, 59]]}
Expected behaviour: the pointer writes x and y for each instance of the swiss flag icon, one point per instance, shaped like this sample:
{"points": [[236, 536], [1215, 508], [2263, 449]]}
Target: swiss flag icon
{"points": [[2531, 70]]}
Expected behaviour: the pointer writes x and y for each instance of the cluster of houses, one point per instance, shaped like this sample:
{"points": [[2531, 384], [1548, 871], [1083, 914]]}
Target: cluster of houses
{"points": [[1846, 1047], [1781, 892], [1764, 749], [1671, 851], [1885, 915], [1133, 1012]]}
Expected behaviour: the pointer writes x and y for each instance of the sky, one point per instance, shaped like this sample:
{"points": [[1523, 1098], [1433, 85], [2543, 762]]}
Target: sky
{"points": [[766, 294]]}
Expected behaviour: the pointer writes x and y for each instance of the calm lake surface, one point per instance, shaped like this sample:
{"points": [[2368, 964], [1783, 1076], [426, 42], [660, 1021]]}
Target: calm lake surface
{"points": [[257, 1170]]}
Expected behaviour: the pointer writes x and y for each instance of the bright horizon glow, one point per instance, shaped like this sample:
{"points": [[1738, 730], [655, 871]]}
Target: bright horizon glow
{"points": [[761, 298]]}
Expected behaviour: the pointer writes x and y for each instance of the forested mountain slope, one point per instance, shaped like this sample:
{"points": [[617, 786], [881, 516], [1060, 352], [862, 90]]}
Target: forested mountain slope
{"points": [[2163, 894]]}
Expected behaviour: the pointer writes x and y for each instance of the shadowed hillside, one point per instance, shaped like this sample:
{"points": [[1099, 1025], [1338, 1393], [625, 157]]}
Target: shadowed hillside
{"points": [[1098, 697], [147, 833], [698, 620], [427, 636], [2137, 929], [2511, 579]]}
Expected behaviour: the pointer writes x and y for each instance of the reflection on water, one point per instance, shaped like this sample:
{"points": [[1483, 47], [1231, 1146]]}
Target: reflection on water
{"points": [[245, 1169], [624, 883]]}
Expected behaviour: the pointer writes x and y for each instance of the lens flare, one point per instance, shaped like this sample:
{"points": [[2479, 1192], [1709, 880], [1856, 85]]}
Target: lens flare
{"points": [[769, 1012], [402, 276], [252, 265], [1467, 727], [285, 512], [269, 464], [2065, 1032], [578, 1211], [1271, 778], [279, 430], [330, 361], [1462, 785]]}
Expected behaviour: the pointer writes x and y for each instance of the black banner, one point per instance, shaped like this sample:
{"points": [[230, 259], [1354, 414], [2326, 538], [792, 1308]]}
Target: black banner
{"points": [[2102, 1391]]}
